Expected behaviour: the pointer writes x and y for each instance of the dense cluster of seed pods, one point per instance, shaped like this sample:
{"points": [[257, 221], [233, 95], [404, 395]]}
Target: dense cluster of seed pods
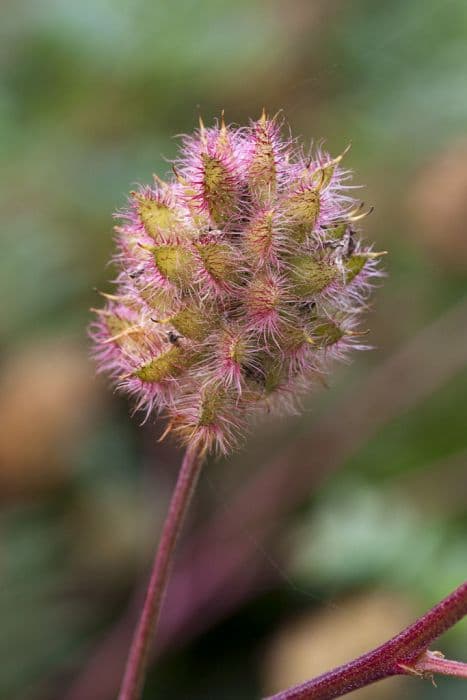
{"points": [[238, 280]]}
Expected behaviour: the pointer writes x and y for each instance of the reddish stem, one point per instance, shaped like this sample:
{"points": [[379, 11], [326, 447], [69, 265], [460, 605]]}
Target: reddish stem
{"points": [[398, 656], [434, 662], [132, 683]]}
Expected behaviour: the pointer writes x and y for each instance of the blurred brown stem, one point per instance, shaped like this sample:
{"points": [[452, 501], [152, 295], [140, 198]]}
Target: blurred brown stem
{"points": [[137, 659], [234, 535]]}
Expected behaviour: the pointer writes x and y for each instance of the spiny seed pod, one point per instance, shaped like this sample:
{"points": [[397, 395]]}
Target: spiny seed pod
{"points": [[239, 279]]}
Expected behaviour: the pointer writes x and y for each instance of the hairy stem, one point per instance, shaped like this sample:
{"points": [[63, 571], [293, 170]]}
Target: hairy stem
{"points": [[133, 678], [398, 656], [434, 662]]}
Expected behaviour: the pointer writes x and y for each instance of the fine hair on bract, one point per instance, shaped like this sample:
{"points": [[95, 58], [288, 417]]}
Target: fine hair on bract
{"points": [[239, 280]]}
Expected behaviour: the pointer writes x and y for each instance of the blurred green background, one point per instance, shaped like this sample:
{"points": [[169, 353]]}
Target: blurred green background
{"points": [[329, 531]]}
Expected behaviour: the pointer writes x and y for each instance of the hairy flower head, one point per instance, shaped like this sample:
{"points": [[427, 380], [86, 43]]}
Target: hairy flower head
{"points": [[238, 280]]}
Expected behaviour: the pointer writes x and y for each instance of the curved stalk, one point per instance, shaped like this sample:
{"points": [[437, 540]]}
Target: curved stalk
{"points": [[135, 670]]}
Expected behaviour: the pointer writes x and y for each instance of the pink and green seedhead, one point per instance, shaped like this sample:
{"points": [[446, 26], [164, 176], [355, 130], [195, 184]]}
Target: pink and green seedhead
{"points": [[238, 281]]}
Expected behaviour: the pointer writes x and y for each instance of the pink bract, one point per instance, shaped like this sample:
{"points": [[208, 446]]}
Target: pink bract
{"points": [[238, 280]]}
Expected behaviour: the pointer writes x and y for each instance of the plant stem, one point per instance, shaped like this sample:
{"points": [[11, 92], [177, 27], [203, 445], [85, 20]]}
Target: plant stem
{"points": [[133, 678], [434, 662], [398, 656]]}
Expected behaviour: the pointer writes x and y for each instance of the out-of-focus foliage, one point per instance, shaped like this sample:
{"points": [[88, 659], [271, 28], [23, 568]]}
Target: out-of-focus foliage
{"points": [[91, 94]]}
